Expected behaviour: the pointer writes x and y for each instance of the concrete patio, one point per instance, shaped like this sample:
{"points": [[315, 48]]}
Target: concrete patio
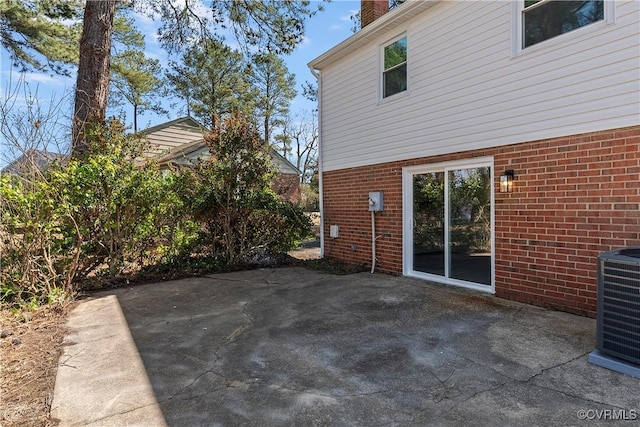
{"points": [[296, 347]]}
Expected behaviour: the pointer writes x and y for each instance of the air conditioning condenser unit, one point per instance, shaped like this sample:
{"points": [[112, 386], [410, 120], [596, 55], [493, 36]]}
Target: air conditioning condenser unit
{"points": [[618, 311]]}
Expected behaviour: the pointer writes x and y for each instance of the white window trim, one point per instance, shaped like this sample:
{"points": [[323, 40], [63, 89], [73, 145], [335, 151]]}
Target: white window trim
{"points": [[381, 97], [516, 29], [407, 221]]}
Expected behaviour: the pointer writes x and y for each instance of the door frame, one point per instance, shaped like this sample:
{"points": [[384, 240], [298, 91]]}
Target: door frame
{"points": [[407, 219]]}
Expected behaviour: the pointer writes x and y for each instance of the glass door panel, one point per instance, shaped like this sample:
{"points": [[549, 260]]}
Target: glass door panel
{"points": [[469, 224], [428, 223]]}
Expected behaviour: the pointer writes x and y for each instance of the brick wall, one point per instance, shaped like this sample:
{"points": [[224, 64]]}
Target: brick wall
{"points": [[287, 186], [574, 197], [370, 10]]}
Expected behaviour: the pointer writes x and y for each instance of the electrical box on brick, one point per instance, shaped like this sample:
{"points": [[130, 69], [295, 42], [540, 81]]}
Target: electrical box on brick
{"points": [[376, 201]]}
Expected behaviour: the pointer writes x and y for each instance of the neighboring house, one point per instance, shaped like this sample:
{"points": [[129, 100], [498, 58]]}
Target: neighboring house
{"points": [[180, 142], [33, 161], [434, 103]]}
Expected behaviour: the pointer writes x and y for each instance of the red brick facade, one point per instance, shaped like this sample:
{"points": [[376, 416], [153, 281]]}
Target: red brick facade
{"points": [[370, 10], [574, 198], [287, 186]]}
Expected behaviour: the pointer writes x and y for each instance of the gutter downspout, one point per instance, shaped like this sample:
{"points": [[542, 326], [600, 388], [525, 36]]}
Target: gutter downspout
{"points": [[317, 75]]}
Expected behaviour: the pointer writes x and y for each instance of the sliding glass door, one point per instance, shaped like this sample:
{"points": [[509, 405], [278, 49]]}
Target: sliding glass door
{"points": [[448, 223]]}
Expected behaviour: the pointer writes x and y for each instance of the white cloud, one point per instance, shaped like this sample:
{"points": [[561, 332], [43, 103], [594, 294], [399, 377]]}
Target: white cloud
{"points": [[144, 18], [35, 90], [147, 25], [336, 27]]}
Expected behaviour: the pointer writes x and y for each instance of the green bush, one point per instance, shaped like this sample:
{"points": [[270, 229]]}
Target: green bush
{"points": [[127, 213], [104, 215], [231, 197], [39, 247], [309, 198], [100, 214]]}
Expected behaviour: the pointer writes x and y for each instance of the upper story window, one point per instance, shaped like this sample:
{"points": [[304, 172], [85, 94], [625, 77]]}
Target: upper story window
{"points": [[545, 19], [394, 76]]}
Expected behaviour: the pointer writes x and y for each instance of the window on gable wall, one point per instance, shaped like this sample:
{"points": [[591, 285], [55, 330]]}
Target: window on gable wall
{"points": [[545, 19], [394, 76]]}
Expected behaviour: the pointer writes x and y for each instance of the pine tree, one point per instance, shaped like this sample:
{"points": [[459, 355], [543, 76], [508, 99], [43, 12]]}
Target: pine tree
{"points": [[275, 88], [210, 77], [135, 80]]}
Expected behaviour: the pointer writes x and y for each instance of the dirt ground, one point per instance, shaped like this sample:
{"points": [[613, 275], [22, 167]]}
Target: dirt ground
{"points": [[29, 352]]}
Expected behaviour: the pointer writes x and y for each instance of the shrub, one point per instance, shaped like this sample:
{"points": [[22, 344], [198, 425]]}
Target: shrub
{"points": [[98, 214], [309, 198], [103, 214], [128, 214], [40, 243], [232, 198]]}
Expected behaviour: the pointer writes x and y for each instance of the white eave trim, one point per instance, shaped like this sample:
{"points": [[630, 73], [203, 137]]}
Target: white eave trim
{"points": [[393, 18]]}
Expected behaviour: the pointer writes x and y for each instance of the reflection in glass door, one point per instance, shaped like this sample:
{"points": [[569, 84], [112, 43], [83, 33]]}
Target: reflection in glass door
{"points": [[469, 225], [451, 223], [428, 223]]}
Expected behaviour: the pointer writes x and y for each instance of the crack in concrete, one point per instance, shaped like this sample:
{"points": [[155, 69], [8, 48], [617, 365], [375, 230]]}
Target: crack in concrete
{"points": [[212, 369], [246, 313], [525, 381], [92, 422], [553, 367], [235, 334], [224, 279], [509, 380], [266, 279], [563, 392]]}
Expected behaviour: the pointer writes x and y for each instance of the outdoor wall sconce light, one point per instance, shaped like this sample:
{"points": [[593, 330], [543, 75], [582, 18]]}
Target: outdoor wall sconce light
{"points": [[506, 182]]}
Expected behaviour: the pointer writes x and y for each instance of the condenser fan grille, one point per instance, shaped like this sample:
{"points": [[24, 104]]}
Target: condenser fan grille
{"points": [[619, 304]]}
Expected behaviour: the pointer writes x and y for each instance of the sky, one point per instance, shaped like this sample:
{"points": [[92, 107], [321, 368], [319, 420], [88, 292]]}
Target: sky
{"points": [[323, 31]]}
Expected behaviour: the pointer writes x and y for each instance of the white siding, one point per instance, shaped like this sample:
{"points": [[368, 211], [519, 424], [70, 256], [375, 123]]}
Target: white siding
{"points": [[466, 91], [164, 140], [282, 165]]}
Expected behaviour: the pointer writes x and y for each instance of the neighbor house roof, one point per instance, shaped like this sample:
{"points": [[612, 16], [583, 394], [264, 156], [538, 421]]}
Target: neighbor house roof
{"points": [[166, 137], [380, 26], [31, 160], [181, 141]]}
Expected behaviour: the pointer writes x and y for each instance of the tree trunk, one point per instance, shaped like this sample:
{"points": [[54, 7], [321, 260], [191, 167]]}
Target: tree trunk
{"points": [[135, 118], [266, 128], [93, 69]]}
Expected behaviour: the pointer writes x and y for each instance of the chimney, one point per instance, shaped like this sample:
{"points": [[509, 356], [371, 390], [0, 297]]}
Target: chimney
{"points": [[370, 10]]}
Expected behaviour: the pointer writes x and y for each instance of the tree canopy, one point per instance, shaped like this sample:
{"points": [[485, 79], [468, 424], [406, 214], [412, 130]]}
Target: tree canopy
{"points": [[137, 81], [210, 78], [269, 25], [44, 35], [274, 87], [101, 39], [41, 35]]}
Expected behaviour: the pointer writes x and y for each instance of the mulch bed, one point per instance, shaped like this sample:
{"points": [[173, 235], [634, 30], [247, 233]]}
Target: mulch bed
{"points": [[30, 347]]}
